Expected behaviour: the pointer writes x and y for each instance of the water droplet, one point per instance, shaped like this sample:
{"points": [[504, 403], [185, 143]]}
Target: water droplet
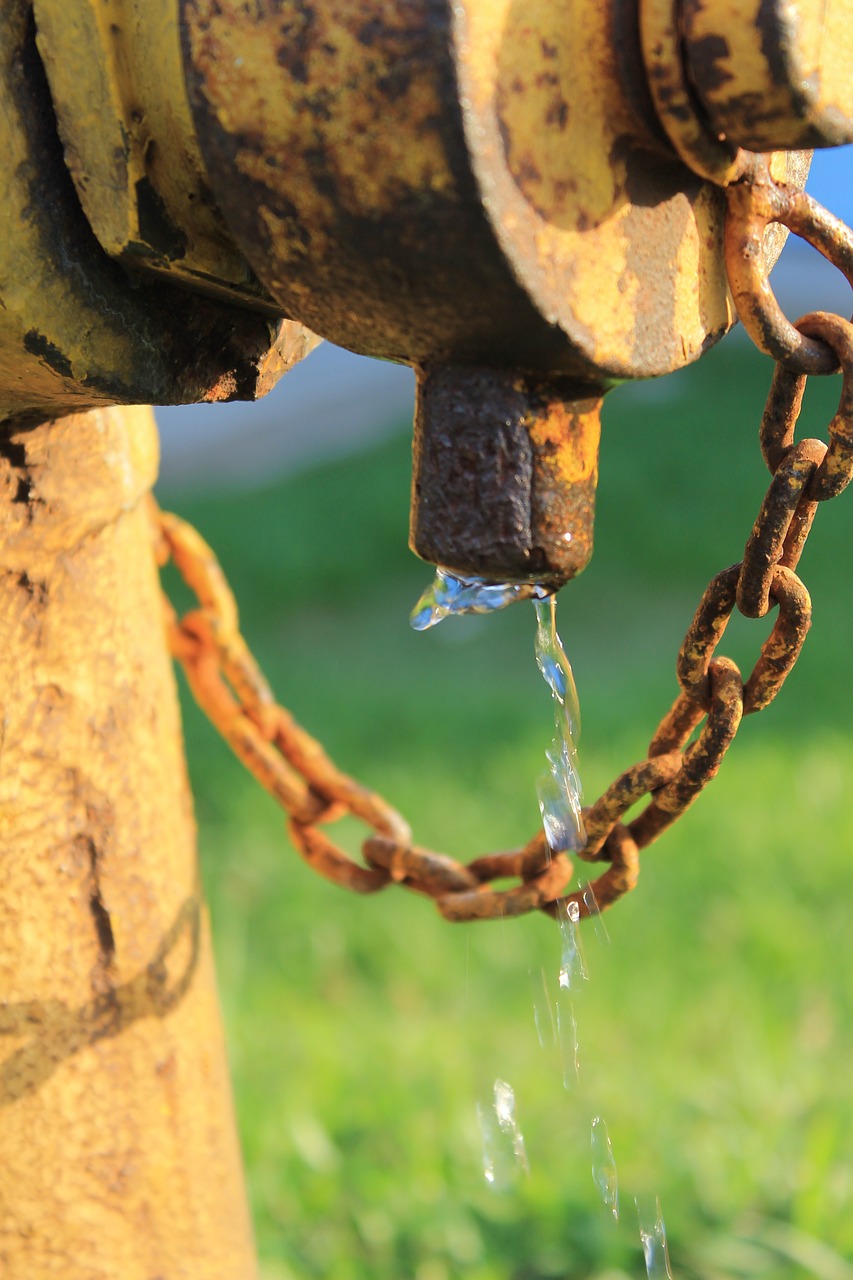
{"points": [[556, 1027], [604, 1166], [545, 1013], [452, 594], [572, 960], [567, 1030], [653, 1238], [504, 1153], [572, 968], [559, 790], [591, 903]]}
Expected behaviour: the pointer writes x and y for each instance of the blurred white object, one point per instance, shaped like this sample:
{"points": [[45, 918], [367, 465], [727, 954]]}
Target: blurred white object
{"points": [[335, 402]]}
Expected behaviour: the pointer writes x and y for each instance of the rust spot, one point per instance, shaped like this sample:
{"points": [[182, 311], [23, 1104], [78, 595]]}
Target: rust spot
{"points": [[295, 47], [524, 170], [38, 344], [155, 225], [376, 31], [564, 187], [546, 79], [775, 51], [37, 591], [16, 455], [396, 83], [100, 915], [505, 472], [708, 57]]}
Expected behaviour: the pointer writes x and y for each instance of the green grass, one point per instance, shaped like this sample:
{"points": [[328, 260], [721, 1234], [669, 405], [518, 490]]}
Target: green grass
{"points": [[716, 1033]]}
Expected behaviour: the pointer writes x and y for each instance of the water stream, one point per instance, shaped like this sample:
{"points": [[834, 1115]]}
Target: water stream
{"points": [[653, 1238], [559, 790], [504, 1155], [604, 1166]]}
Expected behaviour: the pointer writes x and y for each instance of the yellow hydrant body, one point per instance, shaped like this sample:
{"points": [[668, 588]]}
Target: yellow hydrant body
{"points": [[118, 1154], [526, 201]]}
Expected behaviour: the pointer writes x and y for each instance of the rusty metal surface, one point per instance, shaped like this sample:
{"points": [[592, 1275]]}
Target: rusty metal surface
{"points": [[528, 210], [130, 143], [525, 208], [75, 330], [753, 207], [118, 1149], [770, 74], [504, 475], [680, 763], [730, 78], [701, 150]]}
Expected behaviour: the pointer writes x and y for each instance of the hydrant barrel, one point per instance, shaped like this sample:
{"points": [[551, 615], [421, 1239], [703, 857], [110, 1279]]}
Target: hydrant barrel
{"points": [[118, 1151]]}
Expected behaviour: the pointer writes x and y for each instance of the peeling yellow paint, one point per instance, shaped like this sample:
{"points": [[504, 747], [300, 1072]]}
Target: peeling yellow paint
{"points": [[118, 1152]]}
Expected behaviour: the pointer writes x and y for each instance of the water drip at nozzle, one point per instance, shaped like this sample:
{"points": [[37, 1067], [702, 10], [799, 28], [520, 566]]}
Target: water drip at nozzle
{"points": [[451, 594]]}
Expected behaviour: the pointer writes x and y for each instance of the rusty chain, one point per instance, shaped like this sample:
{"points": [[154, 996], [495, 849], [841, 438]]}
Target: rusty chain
{"points": [[691, 740]]}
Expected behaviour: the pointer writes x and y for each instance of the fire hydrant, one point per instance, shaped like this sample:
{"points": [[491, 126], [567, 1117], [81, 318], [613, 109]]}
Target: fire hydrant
{"points": [[524, 201]]}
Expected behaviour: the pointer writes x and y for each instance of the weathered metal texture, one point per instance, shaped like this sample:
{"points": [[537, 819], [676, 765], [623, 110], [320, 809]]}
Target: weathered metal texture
{"points": [[754, 209], [118, 1154], [769, 73], [130, 143], [715, 156], [482, 182], [680, 761], [75, 330], [504, 476], [708, 155]]}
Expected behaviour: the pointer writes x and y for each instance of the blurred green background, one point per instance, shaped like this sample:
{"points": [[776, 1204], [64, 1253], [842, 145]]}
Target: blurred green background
{"points": [[715, 1031]]}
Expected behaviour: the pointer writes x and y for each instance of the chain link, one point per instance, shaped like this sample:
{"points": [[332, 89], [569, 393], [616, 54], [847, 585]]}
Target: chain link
{"points": [[752, 205], [691, 740]]}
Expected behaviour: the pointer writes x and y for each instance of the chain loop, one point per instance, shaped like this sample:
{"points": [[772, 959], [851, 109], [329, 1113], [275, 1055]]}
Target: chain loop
{"points": [[782, 647], [752, 205], [836, 470], [640, 780], [688, 746], [770, 543], [702, 758], [623, 854]]}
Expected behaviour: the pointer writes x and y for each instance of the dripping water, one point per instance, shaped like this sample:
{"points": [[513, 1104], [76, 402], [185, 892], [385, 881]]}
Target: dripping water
{"points": [[504, 1152], [559, 789], [653, 1239], [452, 594], [545, 1015], [604, 1166], [572, 971], [559, 794], [572, 959], [591, 903]]}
